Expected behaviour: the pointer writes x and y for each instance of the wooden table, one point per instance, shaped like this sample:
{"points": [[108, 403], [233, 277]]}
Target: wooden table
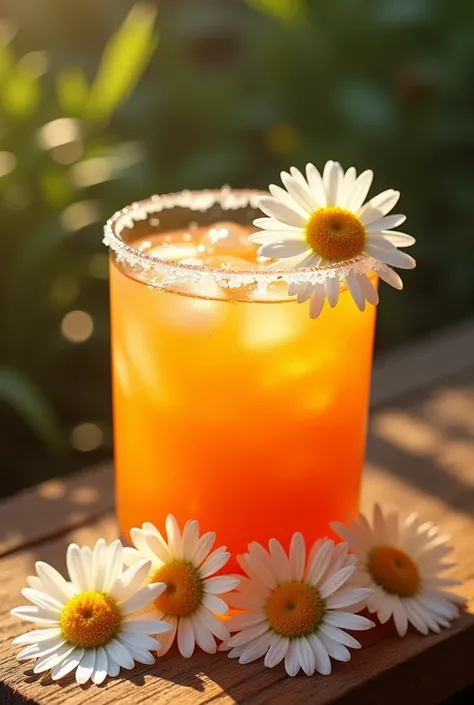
{"points": [[420, 456]]}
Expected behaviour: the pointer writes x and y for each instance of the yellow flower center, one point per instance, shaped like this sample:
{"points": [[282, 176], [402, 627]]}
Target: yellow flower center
{"points": [[90, 619], [183, 592], [335, 234], [394, 571], [294, 609]]}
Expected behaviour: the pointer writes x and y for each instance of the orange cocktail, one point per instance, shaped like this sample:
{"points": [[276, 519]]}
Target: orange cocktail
{"points": [[231, 405]]}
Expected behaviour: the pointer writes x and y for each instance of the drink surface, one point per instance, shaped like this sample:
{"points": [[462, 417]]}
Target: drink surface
{"points": [[235, 409]]}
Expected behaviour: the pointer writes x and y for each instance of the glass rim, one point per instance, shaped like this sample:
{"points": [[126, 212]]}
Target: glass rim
{"points": [[227, 199]]}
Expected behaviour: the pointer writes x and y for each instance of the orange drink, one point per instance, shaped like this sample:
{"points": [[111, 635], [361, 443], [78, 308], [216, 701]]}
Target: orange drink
{"points": [[231, 405]]}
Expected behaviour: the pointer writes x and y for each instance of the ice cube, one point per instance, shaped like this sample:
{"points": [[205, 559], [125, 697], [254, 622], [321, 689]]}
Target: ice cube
{"points": [[173, 251], [228, 238], [224, 261]]}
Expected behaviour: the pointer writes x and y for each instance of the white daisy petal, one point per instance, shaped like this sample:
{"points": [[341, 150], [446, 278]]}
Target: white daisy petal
{"points": [[190, 539], [113, 669], [395, 237], [347, 186], [75, 567], [219, 584], [269, 236], [318, 298], [334, 649], [281, 562], [245, 620], [144, 626], [347, 596], [40, 615], [272, 224], [335, 581], [67, 665], [292, 664], [332, 290], [46, 663], [34, 582], [320, 562], [86, 559], [156, 548], [306, 656], [40, 649], [287, 199], [86, 667], [340, 636], [301, 194], [99, 674], [322, 661], [360, 191], [130, 556], [213, 623], [186, 639], [355, 289], [390, 277], [42, 599], [53, 582], [203, 636], [130, 581], [277, 651], [347, 620], [368, 289], [114, 564], [248, 634], [203, 548], [297, 556], [261, 571], [167, 639], [141, 598], [256, 649], [174, 536], [282, 212], [389, 256], [36, 636], [99, 565], [379, 206], [283, 249], [316, 185], [332, 178], [215, 604], [386, 223], [119, 653]]}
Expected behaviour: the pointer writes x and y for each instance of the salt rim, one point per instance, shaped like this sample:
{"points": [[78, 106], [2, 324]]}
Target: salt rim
{"points": [[161, 273]]}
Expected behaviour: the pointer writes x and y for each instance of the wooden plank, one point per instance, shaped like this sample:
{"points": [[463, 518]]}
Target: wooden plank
{"points": [[422, 362], [217, 679], [55, 506]]}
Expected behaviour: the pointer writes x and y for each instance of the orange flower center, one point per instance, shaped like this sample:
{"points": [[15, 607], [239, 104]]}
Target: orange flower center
{"points": [[394, 570], [90, 619], [294, 609], [183, 592], [335, 234]]}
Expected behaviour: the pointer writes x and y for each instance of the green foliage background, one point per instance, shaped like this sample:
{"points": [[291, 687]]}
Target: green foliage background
{"points": [[159, 96]]}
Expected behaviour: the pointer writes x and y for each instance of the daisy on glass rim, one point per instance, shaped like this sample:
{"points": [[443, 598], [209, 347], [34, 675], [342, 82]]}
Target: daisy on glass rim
{"points": [[321, 220], [296, 607], [185, 563], [403, 561], [91, 624]]}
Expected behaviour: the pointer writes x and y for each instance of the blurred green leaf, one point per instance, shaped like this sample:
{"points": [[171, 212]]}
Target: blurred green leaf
{"points": [[20, 92], [125, 57], [22, 395], [7, 60], [73, 91], [287, 11]]}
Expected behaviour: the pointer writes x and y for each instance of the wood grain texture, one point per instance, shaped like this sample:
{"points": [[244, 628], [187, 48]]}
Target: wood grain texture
{"points": [[420, 457], [218, 679], [55, 506]]}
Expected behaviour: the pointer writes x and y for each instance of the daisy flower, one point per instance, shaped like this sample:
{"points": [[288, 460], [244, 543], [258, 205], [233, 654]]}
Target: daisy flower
{"points": [[90, 624], [322, 220], [403, 560], [185, 564], [296, 608]]}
